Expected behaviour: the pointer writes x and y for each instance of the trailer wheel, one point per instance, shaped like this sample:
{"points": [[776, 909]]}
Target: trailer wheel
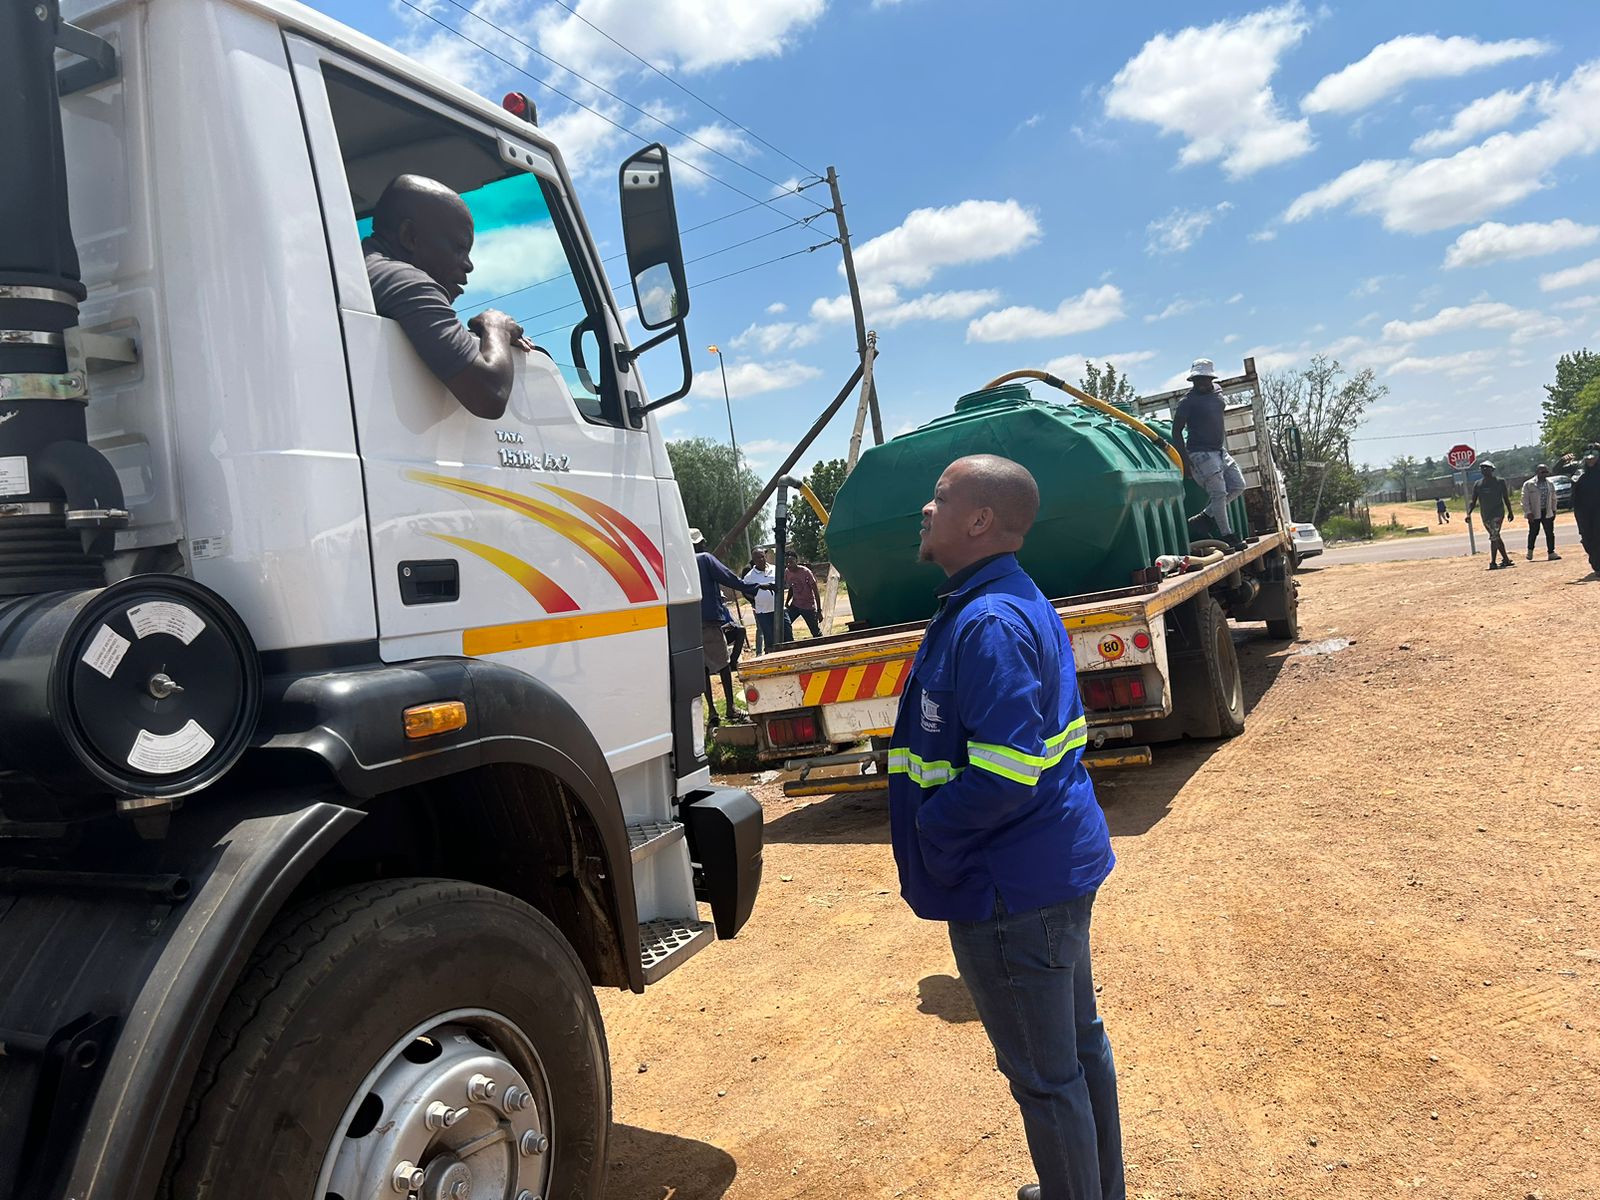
{"points": [[414, 1036], [1224, 686]]}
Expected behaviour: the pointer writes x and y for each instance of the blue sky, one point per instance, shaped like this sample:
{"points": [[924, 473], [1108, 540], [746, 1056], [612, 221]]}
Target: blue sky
{"points": [[1410, 187]]}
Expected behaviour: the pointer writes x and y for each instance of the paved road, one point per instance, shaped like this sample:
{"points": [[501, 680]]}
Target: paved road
{"points": [[1450, 544]]}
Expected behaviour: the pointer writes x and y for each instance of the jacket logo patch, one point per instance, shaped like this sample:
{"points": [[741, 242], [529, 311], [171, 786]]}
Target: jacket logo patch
{"points": [[932, 720]]}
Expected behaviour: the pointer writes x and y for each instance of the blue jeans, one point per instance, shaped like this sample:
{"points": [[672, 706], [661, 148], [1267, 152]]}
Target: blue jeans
{"points": [[1219, 475], [1029, 976], [764, 631]]}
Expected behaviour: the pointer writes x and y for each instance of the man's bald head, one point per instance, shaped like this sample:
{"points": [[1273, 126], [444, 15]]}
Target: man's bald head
{"points": [[982, 505], [429, 226]]}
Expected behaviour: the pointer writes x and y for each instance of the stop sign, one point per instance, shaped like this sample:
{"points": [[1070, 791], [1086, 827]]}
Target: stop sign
{"points": [[1461, 457]]}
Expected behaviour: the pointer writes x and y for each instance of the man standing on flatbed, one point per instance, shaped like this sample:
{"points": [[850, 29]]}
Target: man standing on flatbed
{"points": [[1197, 428], [1491, 491]]}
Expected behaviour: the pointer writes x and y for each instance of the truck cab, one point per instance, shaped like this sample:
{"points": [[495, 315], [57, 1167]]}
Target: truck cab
{"points": [[366, 739]]}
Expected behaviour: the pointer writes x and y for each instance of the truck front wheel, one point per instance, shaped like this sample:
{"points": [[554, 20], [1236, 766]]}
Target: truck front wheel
{"points": [[409, 1037]]}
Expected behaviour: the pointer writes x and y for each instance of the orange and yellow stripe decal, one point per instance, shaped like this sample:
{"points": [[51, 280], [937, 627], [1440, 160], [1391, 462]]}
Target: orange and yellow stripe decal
{"points": [[535, 582], [527, 635], [607, 548], [866, 681], [618, 523]]}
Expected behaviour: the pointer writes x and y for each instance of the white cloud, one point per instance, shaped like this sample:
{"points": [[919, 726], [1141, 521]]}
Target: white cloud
{"points": [[1467, 362], [1482, 116], [932, 238], [1235, 298], [1397, 62], [1230, 339], [1093, 309], [777, 307], [1180, 229], [514, 256], [1492, 241], [1577, 303], [1276, 358], [1177, 308], [780, 335], [1369, 286], [1264, 235], [884, 307], [1358, 352], [589, 142], [1212, 85], [1589, 272], [1070, 366], [1418, 197], [1524, 324], [753, 379], [698, 158], [683, 35]]}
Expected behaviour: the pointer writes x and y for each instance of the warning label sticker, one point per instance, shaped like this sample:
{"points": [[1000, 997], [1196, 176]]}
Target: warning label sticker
{"points": [[164, 753], [165, 616], [215, 546], [14, 475], [106, 650]]}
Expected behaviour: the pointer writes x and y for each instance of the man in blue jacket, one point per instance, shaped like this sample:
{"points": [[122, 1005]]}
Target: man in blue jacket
{"points": [[996, 828]]}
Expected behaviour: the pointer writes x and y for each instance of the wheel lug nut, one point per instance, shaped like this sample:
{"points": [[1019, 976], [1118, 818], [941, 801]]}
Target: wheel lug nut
{"points": [[533, 1142], [407, 1177], [480, 1087], [525, 1101], [441, 1116], [511, 1099]]}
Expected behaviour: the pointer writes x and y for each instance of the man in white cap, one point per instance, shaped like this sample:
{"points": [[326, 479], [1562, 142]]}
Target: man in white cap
{"points": [[1197, 428]]}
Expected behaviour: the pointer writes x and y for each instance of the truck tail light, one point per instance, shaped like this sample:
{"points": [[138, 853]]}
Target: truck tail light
{"points": [[793, 731], [1108, 691], [1141, 640]]}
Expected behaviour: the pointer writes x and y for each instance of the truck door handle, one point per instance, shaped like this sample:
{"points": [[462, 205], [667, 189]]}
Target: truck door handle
{"points": [[430, 581]]}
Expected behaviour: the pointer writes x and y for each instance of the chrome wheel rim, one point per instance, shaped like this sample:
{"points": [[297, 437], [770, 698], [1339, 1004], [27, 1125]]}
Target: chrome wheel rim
{"points": [[458, 1109]]}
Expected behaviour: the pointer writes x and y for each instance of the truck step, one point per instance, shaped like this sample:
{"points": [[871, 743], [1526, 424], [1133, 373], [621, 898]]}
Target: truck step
{"points": [[647, 837], [1121, 756], [666, 945]]}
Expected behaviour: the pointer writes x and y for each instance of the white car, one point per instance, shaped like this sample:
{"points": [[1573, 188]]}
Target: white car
{"points": [[1307, 541]]}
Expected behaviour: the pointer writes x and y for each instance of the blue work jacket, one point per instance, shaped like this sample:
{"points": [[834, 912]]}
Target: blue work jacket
{"points": [[987, 787]]}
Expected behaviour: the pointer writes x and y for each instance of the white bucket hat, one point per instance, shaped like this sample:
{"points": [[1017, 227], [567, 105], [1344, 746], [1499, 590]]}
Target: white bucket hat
{"points": [[696, 537], [1203, 368]]}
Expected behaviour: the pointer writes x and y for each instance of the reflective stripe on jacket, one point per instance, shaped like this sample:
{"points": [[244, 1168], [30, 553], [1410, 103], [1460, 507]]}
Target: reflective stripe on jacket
{"points": [[987, 788]]}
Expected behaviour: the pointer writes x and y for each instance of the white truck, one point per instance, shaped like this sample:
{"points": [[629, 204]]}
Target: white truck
{"points": [[348, 741], [1155, 661]]}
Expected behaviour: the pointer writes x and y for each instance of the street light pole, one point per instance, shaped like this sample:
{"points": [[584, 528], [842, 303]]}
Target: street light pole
{"points": [[734, 442]]}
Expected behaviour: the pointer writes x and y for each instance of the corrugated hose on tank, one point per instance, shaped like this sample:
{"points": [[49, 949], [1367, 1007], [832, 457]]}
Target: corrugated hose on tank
{"points": [[1094, 402]]}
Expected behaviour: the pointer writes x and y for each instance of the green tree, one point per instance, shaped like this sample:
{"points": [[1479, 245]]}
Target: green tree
{"points": [[1578, 425], [714, 493], [806, 540], [1107, 385], [1574, 373], [1407, 470], [1312, 413]]}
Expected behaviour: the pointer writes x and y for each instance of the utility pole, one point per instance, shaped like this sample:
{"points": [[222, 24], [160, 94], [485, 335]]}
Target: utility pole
{"points": [[732, 441], [869, 395]]}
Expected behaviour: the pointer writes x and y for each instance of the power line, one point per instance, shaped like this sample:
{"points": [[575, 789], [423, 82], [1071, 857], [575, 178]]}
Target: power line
{"points": [[544, 83], [1395, 437], [686, 91]]}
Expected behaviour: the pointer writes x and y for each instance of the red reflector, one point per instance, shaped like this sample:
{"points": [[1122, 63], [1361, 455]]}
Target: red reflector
{"points": [[1141, 640], [1098, 693], [792, 731], [751, 695], [1108, 690], [1136, 690]]}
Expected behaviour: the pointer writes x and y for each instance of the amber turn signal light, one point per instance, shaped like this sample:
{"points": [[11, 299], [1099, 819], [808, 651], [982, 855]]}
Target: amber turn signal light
{"points": [[427, 720]]}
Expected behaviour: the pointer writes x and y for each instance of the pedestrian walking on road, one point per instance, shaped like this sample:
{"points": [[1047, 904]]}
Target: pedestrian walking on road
{"points": [[1586, 507], [1491, 491], [1539, 510], [1443, 509], [1197, 428], [763, 576], [995, 825]]}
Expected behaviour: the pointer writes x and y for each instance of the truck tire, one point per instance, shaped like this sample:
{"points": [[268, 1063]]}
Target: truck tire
{"points": [[378, 1029], [1224, 687], [1286, 627]]}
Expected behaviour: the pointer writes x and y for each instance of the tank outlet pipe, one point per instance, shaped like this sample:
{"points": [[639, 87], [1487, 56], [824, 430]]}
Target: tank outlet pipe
{"points": [[1094, 402], [60, 500]]}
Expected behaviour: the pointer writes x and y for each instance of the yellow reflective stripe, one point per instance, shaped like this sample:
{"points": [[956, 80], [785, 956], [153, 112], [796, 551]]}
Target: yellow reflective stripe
{"points": [[922, 772], [1026, 768], [1028, 776]]}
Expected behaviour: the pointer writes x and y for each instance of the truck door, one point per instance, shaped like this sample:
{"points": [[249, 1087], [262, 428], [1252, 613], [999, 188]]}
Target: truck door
{"points": [[535, 539]]}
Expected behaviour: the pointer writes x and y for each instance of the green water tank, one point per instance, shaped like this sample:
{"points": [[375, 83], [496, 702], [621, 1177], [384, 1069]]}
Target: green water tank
{"points": [[1109, 501], [1195, 498]]}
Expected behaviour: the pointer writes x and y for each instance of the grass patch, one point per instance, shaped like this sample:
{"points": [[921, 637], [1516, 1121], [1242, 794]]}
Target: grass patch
{"points": [[731, 760]]}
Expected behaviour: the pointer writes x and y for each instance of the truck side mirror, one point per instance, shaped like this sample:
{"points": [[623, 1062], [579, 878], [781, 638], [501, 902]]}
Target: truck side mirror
{"points": [[655, 257], [650, 232]]}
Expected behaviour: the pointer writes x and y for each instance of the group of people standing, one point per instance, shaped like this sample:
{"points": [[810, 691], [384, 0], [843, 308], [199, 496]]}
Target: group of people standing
{"points": [[1539, 507]]}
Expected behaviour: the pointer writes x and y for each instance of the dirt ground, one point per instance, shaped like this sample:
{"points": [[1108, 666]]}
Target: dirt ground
{"points": [[1354, 952]]}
